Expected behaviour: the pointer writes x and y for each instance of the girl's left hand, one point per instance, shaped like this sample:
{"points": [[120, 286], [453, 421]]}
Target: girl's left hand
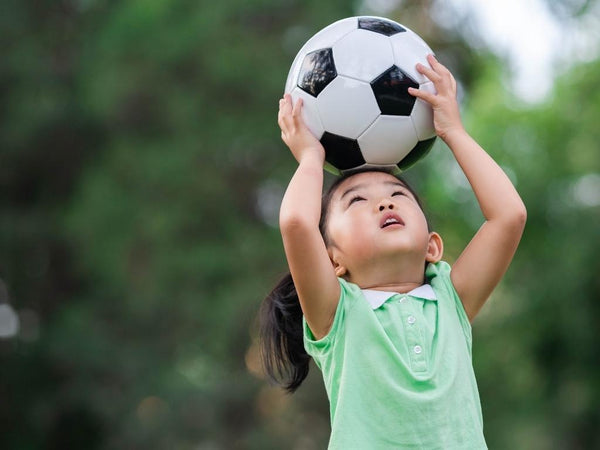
{"points": [[446, 115]]}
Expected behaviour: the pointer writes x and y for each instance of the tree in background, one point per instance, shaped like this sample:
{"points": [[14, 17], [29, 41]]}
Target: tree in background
{"points": [[140, 175]]}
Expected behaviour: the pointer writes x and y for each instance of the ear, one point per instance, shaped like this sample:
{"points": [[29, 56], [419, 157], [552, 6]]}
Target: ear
{"points": [[435, 248], [340, 269]]}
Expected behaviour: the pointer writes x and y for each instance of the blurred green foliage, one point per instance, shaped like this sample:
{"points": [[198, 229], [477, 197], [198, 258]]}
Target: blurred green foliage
{"points": [[140, 175]]}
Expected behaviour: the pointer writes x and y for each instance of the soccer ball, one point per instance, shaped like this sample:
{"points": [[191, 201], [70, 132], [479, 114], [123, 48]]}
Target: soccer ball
{"points": [[353, 77]]}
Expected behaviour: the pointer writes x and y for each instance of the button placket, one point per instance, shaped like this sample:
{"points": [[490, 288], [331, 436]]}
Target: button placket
{"points": [[414, 336]]}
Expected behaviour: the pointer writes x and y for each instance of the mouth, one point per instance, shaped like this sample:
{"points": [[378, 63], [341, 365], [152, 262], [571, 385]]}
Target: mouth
{"points": [[390, 220]]}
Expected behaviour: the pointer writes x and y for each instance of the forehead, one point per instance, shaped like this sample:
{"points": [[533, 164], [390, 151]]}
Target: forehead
{"points": [[366, 180]]}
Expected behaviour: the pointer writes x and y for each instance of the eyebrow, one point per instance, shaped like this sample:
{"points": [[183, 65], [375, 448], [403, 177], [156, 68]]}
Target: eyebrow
{"points": [[362, 185]]}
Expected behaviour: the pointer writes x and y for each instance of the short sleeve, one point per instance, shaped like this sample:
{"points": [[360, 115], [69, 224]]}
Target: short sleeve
{"points": [[438, 275], [321, 346]]}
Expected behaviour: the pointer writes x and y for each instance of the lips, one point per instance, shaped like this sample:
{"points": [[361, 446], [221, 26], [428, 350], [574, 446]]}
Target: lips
{"points": [[391, 219]]}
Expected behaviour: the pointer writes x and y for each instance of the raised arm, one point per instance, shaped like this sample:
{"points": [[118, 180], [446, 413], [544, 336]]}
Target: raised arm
{"points": [[486, 258], [312, 271]]}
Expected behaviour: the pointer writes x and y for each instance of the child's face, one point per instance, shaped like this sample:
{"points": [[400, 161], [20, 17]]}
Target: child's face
{"points": [[372, 217]]}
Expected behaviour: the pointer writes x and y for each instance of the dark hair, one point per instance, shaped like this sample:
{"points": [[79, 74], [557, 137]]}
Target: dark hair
{"points": [[281, 335]]}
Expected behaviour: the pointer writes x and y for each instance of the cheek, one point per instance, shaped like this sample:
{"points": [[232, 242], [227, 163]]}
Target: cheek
{"points": [[348, 229], [422, 222], [417, 217], [424, 234]]}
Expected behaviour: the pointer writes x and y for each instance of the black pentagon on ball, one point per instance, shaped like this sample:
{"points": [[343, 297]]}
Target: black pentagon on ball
{"points": [[341, 152], [317, 71], [382, 26], [391, 92], [418, 152]]}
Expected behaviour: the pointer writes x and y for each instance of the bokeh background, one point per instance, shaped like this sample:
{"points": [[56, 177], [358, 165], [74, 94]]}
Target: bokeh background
{"points": [[141, 172]]}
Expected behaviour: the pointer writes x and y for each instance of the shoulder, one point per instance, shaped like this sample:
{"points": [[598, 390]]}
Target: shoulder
{"points": [[350, 295], [348, 290], [439, 276]]}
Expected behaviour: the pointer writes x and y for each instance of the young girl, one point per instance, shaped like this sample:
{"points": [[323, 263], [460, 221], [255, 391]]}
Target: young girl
{"points": [[369, 299]]}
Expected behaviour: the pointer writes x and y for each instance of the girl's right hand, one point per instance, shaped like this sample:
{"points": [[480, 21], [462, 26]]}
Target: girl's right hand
{"points": [[294, 131]]}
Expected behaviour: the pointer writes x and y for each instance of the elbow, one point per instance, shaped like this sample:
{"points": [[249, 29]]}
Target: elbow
{"points": [[517, 218], [521, 215], [293, 223], [511, 218]]}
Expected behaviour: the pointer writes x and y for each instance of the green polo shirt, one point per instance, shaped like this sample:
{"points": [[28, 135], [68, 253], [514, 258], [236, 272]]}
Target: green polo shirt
{"points": [[398, 371]]}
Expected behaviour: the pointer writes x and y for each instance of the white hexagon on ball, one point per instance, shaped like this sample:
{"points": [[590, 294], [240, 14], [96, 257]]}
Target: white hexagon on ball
{"points": [[310, 113], [409, 49], [347, 107], [323, 39], [363, 55], [422, 115], [389, 139]]}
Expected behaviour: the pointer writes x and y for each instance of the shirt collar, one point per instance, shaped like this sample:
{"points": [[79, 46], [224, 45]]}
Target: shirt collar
{"points": [[378, 298]]}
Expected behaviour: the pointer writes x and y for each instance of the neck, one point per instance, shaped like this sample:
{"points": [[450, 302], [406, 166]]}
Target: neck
{"points": [[388, 277], [401, 288]]}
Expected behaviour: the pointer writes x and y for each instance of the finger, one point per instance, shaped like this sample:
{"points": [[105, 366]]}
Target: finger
{"points": [[432, 60], [286, 123], [288, 126], [282, 124], [429, 97], [280, 114], [286, 102], [428, 72], [435, 64], [285, 108], [297, 108], [283, 116], [440, 69]]}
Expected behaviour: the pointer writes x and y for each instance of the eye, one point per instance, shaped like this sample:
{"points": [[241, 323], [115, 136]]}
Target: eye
{"points": [[398, 193], [356, 198]]}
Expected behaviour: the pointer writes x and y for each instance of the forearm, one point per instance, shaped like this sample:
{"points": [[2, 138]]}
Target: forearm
{"points": [[312, 272], [482, 263], [301, 203], [495, 193]]}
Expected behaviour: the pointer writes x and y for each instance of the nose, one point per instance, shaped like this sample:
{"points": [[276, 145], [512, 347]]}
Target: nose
{"points": [[386, 203]]}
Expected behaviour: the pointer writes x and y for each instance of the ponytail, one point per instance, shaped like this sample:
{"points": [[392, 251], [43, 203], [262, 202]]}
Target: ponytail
{"points": [[282, 346]]}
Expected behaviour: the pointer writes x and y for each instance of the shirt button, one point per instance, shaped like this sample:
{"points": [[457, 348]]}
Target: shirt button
{"points": [[411, 319], [417, 349], [402, 299]]}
